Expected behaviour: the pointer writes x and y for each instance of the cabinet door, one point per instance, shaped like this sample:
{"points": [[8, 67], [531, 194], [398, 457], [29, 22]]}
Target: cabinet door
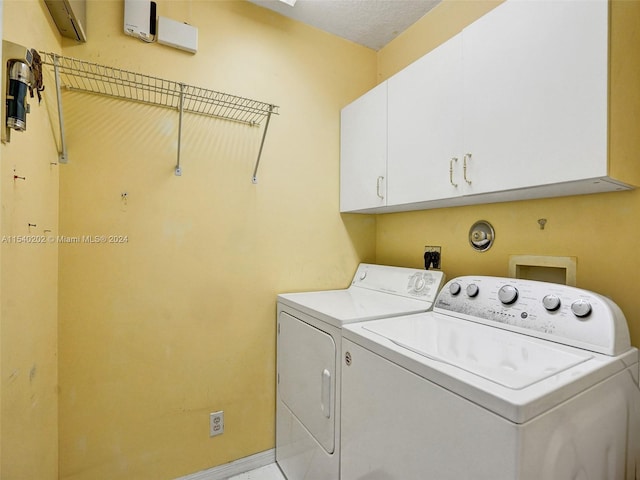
{"points": [[535, 94], [425, 127], [363, 151]]}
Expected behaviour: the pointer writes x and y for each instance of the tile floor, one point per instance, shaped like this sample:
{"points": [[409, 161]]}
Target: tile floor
{"points": [[268, 472]]}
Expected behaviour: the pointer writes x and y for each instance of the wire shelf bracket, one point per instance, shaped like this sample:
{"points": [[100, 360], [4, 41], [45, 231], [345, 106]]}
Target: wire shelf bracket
{"points": [[80, 75]]}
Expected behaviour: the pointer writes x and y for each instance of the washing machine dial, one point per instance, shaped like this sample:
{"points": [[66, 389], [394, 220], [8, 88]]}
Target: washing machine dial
{"points": [[508, 294], [551, 302], [581, 308], [455, 288], [472, 290]]}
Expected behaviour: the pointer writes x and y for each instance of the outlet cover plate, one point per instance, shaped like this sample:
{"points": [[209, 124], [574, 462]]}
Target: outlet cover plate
{"points": [[216, 423]]}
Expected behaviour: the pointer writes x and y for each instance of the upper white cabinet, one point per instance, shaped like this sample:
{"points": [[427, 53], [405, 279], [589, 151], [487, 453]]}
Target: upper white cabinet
{"points": [[363, 151], [535, 94], [425, 127], [513, 107]]}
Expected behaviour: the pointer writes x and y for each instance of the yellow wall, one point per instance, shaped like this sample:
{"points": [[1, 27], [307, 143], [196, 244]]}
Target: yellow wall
{"points": [[179, 321], [28, 278], [600, 230]]}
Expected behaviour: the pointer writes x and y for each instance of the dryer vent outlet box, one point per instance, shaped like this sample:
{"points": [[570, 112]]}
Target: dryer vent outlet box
{"points": [[70, 17], [177, 34], [140, 19]]}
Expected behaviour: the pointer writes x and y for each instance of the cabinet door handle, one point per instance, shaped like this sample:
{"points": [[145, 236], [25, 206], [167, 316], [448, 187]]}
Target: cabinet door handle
{"points": [[467, 156], [325, 394], [453, 159], [379, 187]]}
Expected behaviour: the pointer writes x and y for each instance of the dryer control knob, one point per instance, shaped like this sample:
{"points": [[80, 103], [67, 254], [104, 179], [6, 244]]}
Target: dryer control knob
{"points": [[581, 308], [551, 302], [508, 294], [418, 282], [455, 288], [472, 290]]}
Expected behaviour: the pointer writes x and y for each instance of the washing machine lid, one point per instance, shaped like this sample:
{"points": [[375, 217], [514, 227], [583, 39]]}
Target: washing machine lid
{"points": [[340, 307], [513, 361], [516, 376]]}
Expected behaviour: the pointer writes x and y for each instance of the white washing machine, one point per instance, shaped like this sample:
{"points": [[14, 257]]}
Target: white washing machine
{"points": [[308, 359], [504, 380]]}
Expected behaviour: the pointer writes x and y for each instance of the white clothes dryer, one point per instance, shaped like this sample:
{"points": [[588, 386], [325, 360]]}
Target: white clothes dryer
{"points": [[505, 379], [308, 359]]}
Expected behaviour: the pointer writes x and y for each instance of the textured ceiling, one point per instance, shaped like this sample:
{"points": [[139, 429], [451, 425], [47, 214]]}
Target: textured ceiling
{"points": [[372, 23]]}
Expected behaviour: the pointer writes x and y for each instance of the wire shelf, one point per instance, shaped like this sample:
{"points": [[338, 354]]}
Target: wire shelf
{"points": [[80, 75], [90, 77]]}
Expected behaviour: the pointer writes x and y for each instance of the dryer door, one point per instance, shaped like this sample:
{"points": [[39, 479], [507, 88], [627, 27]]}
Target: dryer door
{"points": [[307, 376]]}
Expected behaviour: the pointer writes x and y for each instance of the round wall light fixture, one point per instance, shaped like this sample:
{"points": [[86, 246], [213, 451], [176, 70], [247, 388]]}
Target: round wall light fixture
{"points": [[481, 236]]}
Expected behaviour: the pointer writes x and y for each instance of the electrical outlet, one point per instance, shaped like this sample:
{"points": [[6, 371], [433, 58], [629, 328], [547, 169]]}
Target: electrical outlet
{"points": [[432, 257], [216, 423]]}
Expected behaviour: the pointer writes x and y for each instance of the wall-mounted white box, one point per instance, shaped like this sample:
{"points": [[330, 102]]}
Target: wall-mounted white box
{"points": [[139, 19], [544, 268], [177, 34]]}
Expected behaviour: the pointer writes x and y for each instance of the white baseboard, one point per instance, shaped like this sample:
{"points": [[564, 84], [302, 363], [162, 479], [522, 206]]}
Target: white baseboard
{"points": [[237, 467]]}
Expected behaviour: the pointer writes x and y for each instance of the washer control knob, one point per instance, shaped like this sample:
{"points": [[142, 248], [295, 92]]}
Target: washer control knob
{"points": [[363, 275], [472, 290], [508, 294], [455, 288], [581, 308], [551, 302]]}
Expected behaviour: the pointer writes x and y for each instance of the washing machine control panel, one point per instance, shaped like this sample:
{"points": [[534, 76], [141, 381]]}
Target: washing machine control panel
{"points": [[551, 311]]}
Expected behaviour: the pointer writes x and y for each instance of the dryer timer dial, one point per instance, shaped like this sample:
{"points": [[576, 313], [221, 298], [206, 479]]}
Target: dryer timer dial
{"points": [[417, 283]]}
